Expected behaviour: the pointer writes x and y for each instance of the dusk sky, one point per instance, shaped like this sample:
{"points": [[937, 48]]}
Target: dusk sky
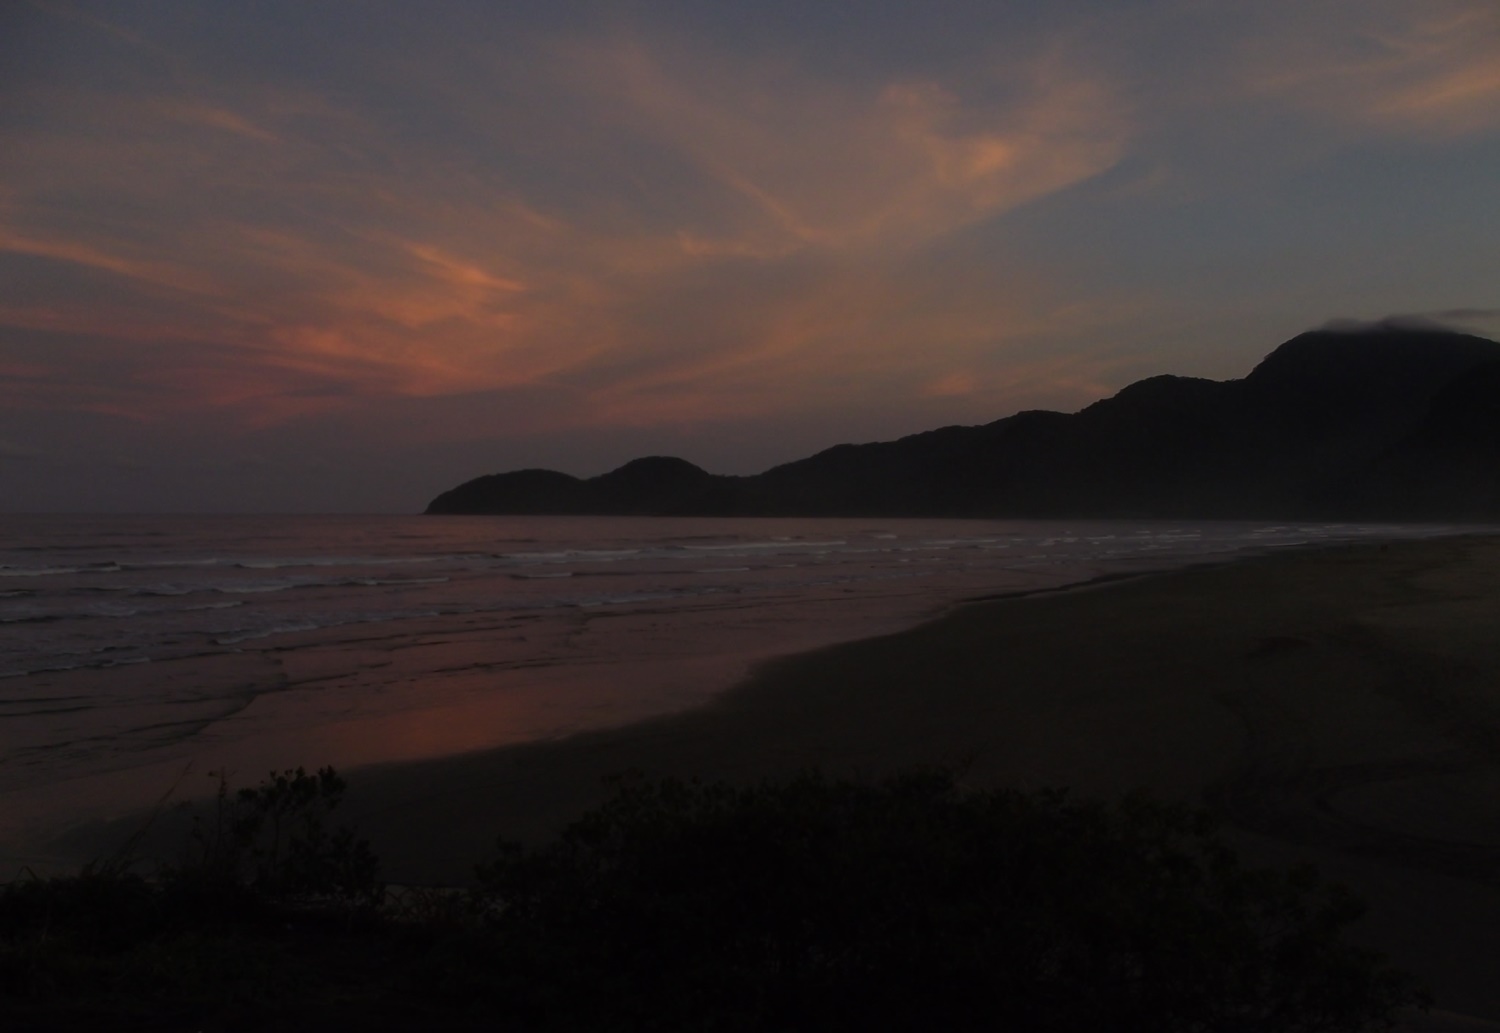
{"points": [[335, 256]]}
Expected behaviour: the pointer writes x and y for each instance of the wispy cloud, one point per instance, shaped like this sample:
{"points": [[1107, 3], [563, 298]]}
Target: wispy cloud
{"points": [[823, 165], [71, 13], [589, 228], [302, 256], [1470, 320], [1422, 67], [218, 118]]}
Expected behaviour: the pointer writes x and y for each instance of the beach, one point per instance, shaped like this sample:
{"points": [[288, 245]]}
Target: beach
{"points": [[1339, 706], [140, 655]]}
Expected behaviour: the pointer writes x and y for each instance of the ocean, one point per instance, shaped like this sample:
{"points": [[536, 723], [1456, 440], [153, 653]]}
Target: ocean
{"points": [[139, 652]]}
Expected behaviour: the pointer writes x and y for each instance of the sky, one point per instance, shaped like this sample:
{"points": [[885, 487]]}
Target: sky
{"points": [[317, 256]]}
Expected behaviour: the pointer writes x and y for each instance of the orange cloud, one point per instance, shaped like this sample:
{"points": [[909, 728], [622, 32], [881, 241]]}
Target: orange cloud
{"points": [[462, 273], [314, 260], [879, 336], [155, 272], [831, 167], [950, 386], [1428, 67], [208, 116]]}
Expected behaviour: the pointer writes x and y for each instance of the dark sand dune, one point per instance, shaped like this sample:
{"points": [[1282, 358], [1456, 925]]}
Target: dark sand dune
{"points": [[1340, 706]]}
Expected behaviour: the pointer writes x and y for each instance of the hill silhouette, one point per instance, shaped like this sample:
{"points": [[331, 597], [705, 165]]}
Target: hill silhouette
{"points": [[1383, 422]]}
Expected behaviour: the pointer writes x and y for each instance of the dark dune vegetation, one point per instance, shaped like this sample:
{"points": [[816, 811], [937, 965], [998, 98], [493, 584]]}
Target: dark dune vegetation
{"points": [[1388, 423], [802, 904]]}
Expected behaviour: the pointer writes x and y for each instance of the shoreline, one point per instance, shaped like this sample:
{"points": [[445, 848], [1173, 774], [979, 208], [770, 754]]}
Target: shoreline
{"points": [[767, 671], [1338, 705], [432, 688]]}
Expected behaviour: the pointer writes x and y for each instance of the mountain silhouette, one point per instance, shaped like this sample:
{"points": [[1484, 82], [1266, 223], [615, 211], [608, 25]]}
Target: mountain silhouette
{"points": [[1386, 422]]}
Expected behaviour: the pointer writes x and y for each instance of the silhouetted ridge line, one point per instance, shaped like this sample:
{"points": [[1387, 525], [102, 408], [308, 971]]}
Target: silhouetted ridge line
{"points": [[1381, 423]]}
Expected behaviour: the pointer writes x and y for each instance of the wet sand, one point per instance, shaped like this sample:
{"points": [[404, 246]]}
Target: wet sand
{"points": [[100, 743], [1340, 706]]}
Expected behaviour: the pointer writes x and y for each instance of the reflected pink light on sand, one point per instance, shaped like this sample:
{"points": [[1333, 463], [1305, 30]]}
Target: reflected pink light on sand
{"points": [[249, 645], [433, 688]]}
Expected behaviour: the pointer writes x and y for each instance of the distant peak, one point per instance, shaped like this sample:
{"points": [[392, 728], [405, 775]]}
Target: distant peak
{"points": [[658, 465], [657, 471], [1371, 368]]}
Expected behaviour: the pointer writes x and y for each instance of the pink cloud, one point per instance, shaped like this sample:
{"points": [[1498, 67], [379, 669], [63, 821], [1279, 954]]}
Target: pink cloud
{"points": [[336, 264], [829, 166]]}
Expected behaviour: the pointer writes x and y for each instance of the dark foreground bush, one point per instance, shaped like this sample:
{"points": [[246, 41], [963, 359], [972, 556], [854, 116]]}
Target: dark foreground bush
{"points": [[828, 905], [274, 842], [260, 898], [807, 905]]}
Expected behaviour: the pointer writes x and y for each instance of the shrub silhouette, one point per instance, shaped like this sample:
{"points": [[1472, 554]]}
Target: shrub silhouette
{"points": [[818, 904], [811, 904], [214, 927], [273, 843]]}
